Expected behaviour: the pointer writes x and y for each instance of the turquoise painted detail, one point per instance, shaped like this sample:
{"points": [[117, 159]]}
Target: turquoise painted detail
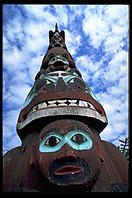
{"points": [[42, 76], [69, 78], [83, 146], [86, 145], [46, 148], [32, 93], [89, 90], [75, 74], [29, 98]]}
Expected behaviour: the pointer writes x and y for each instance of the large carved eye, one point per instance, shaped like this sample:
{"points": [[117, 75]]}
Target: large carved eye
{"points": [[51, 55], [65, 55], [79, 138], [52, 141]]}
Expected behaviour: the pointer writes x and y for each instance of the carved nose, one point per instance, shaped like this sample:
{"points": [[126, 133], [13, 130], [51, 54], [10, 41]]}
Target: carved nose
{"points": [[60, 85], [69, 154]]}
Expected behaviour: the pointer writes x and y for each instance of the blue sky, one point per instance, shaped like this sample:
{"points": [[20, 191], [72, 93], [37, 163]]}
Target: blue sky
{"points": [[97, 38]]}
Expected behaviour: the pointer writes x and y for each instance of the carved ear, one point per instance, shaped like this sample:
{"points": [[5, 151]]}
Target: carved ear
{"points": [[32, 155]]}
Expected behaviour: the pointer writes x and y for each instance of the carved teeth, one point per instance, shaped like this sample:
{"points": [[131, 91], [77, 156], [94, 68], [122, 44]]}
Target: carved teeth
{"points": [[34, 108], [91, 106], [63, 104], [82, 103], [52, 105], [61, 101], [52, 102], [72, 101], [42, 105], [55, 103], [73, 104]]}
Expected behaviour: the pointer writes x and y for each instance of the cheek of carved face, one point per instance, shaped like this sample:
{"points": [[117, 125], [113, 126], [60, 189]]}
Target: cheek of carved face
{"points": [[44, 161], [69, 157]]}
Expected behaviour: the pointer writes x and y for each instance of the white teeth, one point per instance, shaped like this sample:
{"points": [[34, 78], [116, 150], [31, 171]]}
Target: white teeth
{"points": [[85, 103], [61, 101], [55, 103], [63, 104], [91, 106], [52, 105], [42, 105], [72, 101], [72, 104], [34, 109], [52, 102], [82, 103]]}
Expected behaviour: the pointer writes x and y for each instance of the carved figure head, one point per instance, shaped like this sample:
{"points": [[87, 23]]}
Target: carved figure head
{"points": [[61, 93], [66, 153], [56, 39]]}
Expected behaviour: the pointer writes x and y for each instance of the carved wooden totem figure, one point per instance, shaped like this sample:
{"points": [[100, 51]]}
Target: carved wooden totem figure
{"points": [[59, 126]]}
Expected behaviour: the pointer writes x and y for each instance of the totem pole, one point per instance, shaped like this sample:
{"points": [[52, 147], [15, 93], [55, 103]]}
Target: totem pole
{"points": [[59, 126]]}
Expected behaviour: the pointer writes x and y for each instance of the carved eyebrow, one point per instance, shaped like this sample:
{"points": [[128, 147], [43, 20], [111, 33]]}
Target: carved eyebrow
{"points": [[50, 130], [79, 128]]}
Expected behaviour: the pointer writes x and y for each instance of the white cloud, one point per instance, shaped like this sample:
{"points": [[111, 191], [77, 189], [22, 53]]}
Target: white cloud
{"points": [[16, 94], [7, 131], [13, 59], [35, 10], [117, 14], [73, 41], [86, 66], [117, 67], [96, 28], [62, 13], [110, 26], [10, 118]]}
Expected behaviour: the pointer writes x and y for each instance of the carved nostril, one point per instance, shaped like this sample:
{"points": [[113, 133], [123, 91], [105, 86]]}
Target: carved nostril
{"points": [[71, 154], [61, 155]]}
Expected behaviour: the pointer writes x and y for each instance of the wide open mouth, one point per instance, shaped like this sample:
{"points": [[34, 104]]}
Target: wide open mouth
{"points": [[68, 170], [63, 107], [58, 60], [61, 103]]}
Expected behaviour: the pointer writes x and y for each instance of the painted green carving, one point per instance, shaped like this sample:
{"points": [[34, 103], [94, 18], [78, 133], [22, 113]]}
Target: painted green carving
{"points": [[78, 140], [66, 79]]}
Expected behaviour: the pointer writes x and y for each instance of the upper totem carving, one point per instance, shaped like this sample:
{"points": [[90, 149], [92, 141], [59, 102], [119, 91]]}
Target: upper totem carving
{"points": [[59, 90]]}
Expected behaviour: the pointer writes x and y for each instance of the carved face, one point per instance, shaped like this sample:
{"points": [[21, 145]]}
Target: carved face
{"points": [[58, 62], [58, 52], [56, 40], [58, 81], [60, 93], [66, 153]]}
